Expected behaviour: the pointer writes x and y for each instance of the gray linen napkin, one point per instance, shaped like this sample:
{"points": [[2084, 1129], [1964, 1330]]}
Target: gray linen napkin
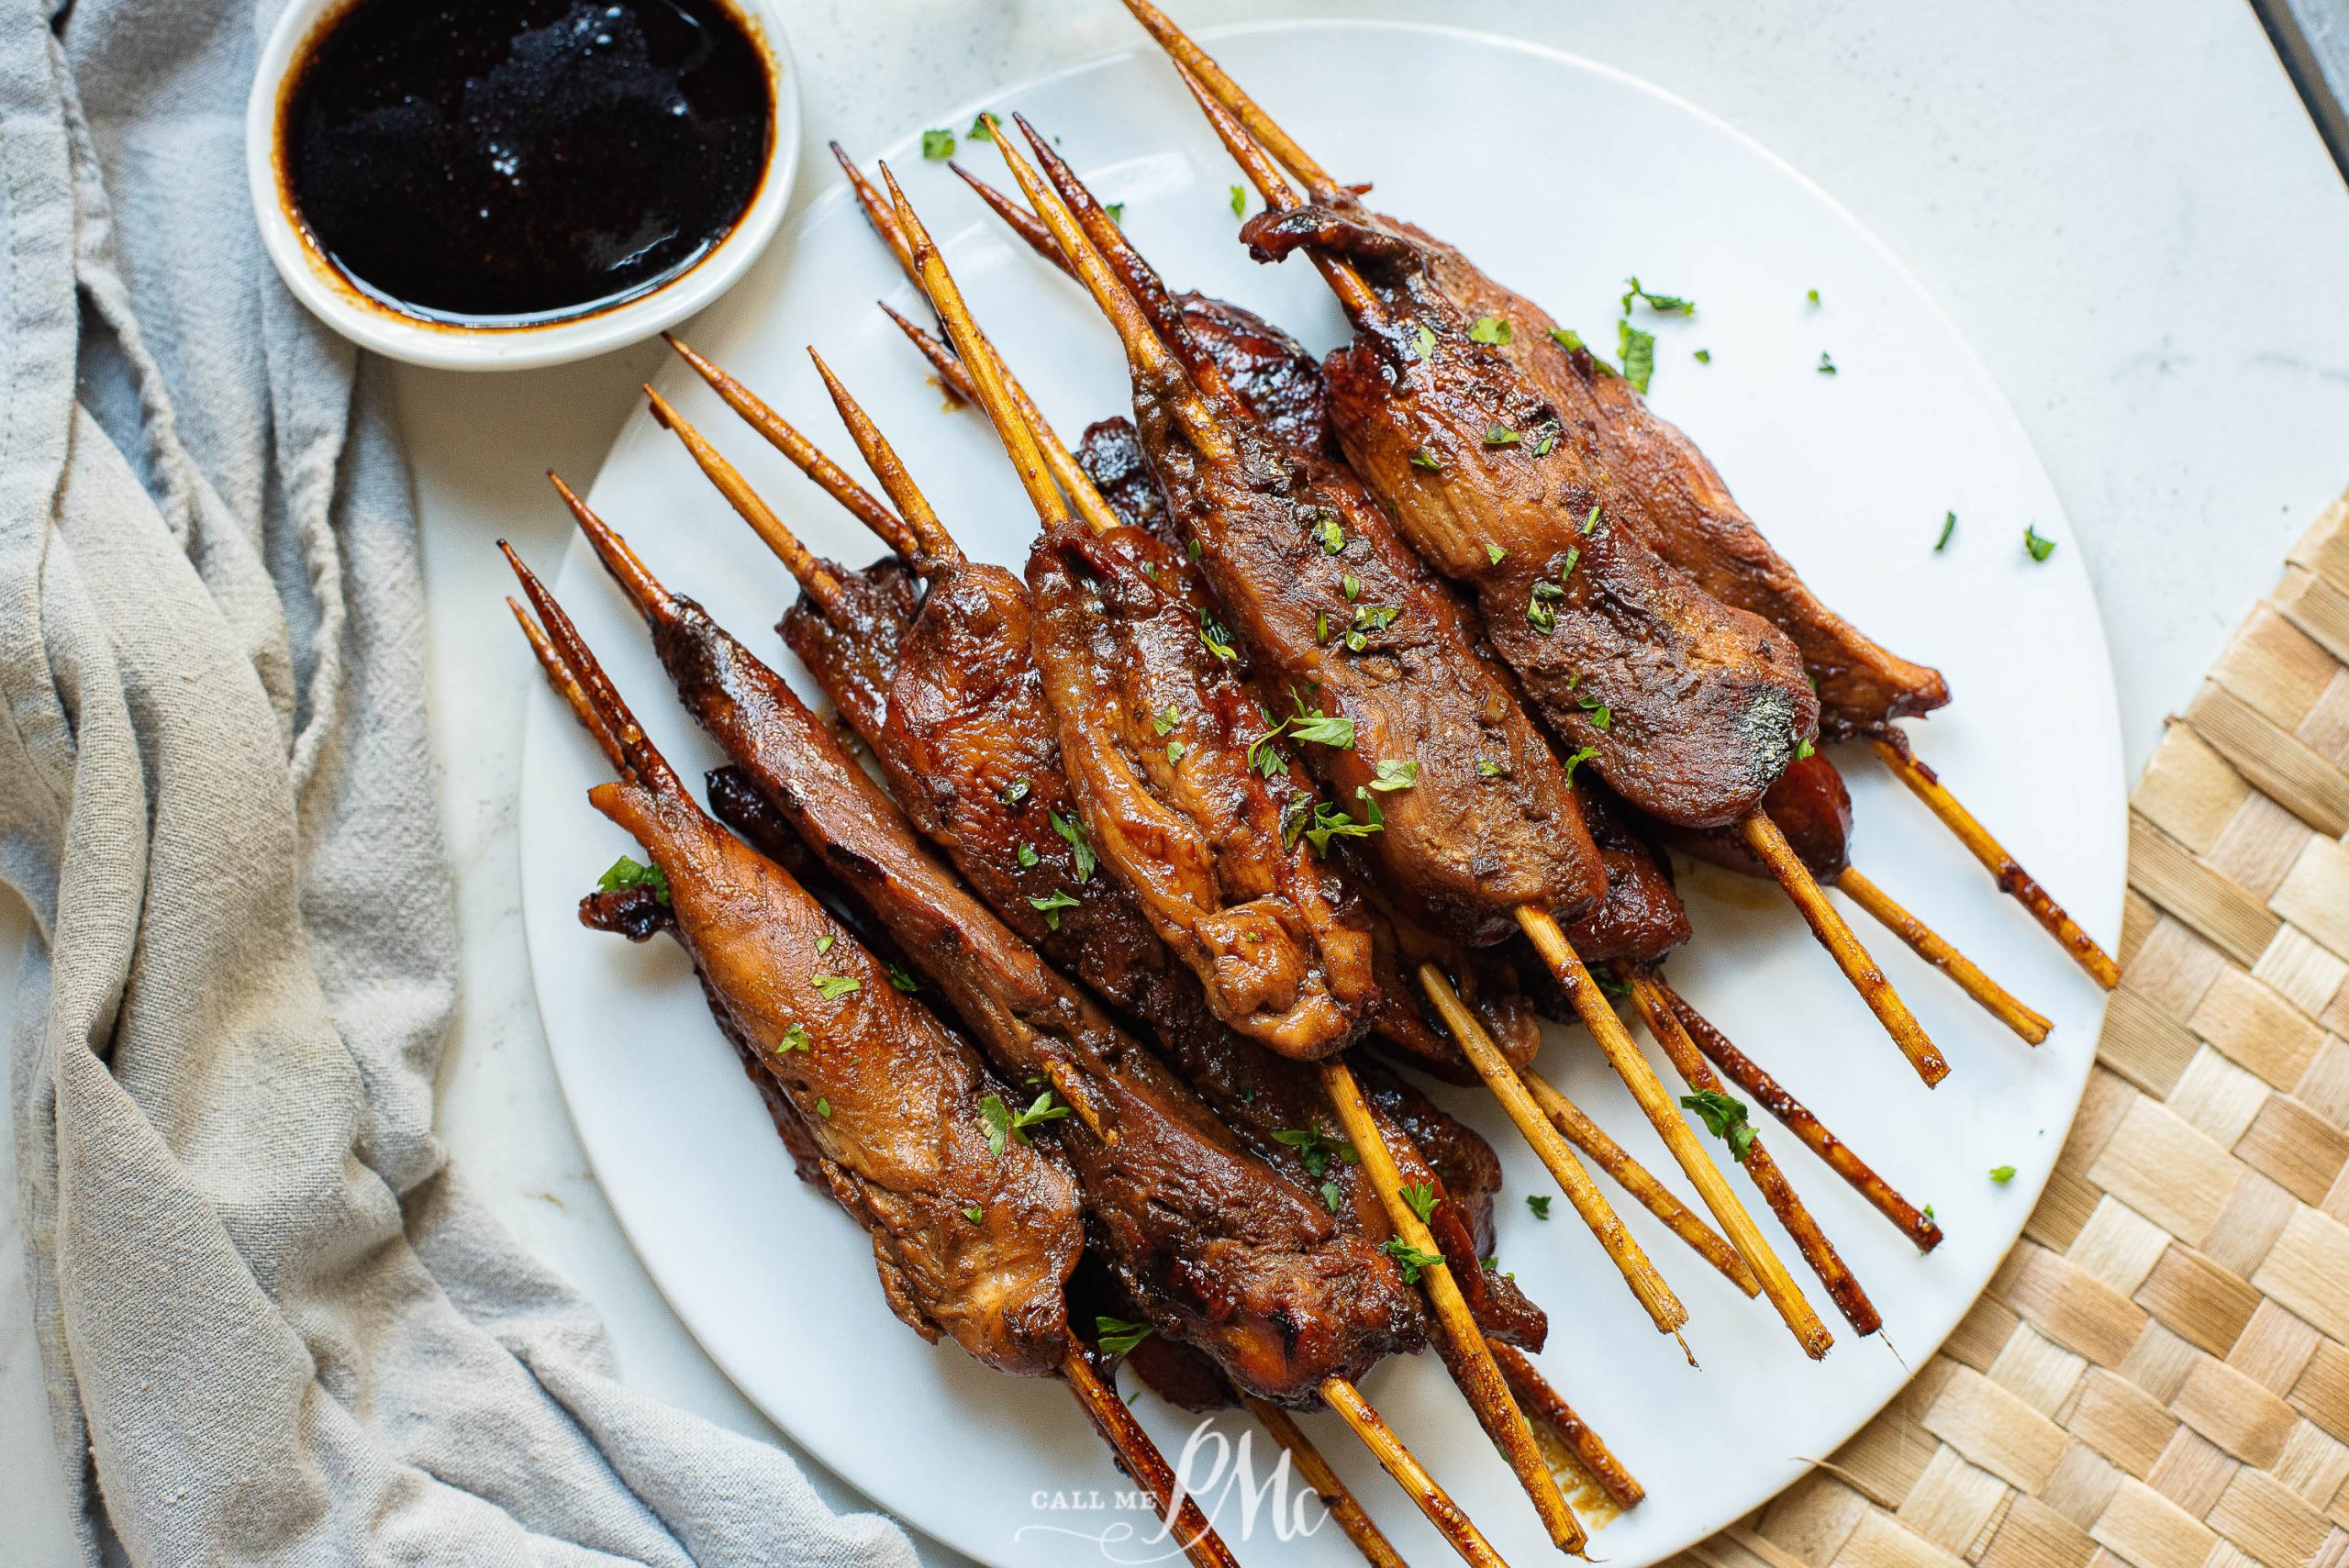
{"points": [[276, 1328]]}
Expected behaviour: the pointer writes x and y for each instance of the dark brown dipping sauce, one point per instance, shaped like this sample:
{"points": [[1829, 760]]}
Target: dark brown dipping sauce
{"points": [[504, 163]]}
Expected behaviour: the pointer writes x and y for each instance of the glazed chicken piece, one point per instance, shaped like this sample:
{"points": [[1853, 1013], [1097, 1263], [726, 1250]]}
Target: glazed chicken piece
{"points": [[1165, 751], [1656, 480], [882, 1105], [1476, 818], [1689, 709], [1222, 1250]]}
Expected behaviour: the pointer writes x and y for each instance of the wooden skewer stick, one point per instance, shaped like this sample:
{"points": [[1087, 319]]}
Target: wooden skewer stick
{"points": [[1066, 472], [1762, 837], [1622, 1249], [1142, 1460], [1636, 1179], [1549, 1408], [1767, 1092], [1471, 1360], [1842, 1285], [1590, 1006], [1929, 945], [1194, 62], [1344, 1507], [1473, 1364], [803, 453], [2012, 879], [1361, 303], [1398, 1462]]}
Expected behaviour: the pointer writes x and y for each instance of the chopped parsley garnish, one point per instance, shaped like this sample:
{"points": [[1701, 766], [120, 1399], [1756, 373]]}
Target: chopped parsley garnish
{"points": [[1323, 730], [1351, 585], [1588, 754], [1423, 458], [1813, 296], [1495, 554], [1368, 619], [1163, 721], [824, 1107], [1591, 522], [628, 872], [976, 1215], [1601, 717], [901, 980], [1949, 527], [832, 988], [937, 144], [1412, 1259], [1332, 1195], [1014, 793], [1569, 339], [1050, 908], [1703, 356], [1662, 304], [1724, 1118], [1573, 559], [2002, 1174], [1332, 537], [1116, 1336], [1079, 843], [1217, 640], [1488, 769], [1423, 339], [794, 1038], [1004, 1124], [1394, 774], [1826, 364], [2040, 548], [1637, 350], [1028, 855], [1116, 211], [1174, 752], [1422, 1196], [1494, 329], [1500, 436], [1332, 822], [1805, 750], [1315, 1148], [1239, 200], [1544, 441], [1540, 1204], [1537, 607], [979, 131], [824, 943], [1248, 1095]]}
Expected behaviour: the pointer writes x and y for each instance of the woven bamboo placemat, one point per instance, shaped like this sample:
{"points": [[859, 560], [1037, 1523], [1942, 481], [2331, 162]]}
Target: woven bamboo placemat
{"points": [[2158, 1375]]}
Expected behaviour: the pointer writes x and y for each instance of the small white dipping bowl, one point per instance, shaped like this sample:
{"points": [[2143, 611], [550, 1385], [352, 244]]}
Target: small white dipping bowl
{"points": [[372, 324]]}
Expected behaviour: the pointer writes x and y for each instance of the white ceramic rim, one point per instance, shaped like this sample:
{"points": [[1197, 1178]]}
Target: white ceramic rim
{"points": [[332, 300]]}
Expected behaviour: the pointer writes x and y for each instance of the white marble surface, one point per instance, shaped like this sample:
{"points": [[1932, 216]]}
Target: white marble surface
{"points": [[2120, 203]]}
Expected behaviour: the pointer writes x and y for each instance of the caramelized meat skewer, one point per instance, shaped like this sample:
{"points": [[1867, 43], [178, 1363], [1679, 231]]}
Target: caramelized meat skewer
{"points": [[1269, 1101], [877, 1101], [1208, 437], [1462, 1341], [1266, 367], [935, 694], [1218, 1255], [1690, 520], [1702, 747], [1220, 1250]]}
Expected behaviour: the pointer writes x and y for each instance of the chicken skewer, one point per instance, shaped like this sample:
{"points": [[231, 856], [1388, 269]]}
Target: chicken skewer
{"points": [[1153, 367], [873, 1067], [1807, 776], [1466, 1353], [1261, 1102], [1863, 687], [1554, 1151], [1701, 747]]}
